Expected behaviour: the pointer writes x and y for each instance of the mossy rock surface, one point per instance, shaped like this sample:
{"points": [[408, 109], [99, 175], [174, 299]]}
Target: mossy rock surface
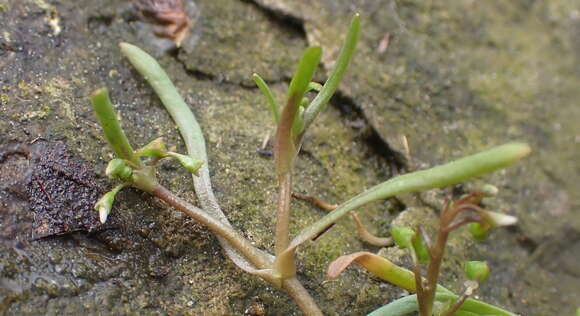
{"points": [[454, 79]]}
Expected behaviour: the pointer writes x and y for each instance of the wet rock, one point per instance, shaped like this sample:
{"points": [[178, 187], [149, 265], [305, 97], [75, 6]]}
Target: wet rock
{"points": [[236, 40]]}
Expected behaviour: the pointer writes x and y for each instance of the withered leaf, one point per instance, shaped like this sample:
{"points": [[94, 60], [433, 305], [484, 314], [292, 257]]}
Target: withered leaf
{"points": [[62, 193]]}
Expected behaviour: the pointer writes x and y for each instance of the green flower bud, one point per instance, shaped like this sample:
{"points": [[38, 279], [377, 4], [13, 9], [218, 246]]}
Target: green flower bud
{"points": [[402, 236], [118, 168], [406, 237], [478, 231], [491, 220], [476, 271], [495, 219], [105, 203], [155, 148], [489, 190], [189, 163]]}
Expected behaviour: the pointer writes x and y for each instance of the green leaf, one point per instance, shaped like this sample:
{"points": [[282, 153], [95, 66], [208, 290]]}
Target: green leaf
{"points": [[314, 86], [191, 164], [285, 147], [380, 267], [408, 304], [405, 279], [113, 131], [400, 307], [274, 108], [303, 75], [440, 176], [298, 125], [105, 203], [156, 148], [195, 143], [346, 52], [420, 249], [402, 236]]}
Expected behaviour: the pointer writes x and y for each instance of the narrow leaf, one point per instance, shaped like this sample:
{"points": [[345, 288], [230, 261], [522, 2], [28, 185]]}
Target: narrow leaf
{"points": [[400, 307], [284, 147], [346, 52], [440, 176], [105, 203], [274, 108], [380, 267], [113, 131], [405, 279], [314, 86], [195, 143], [408, 305], [304, 73]]}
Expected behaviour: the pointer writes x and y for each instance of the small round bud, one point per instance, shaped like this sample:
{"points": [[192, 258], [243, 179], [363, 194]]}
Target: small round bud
{"points": [[489, 190], [402, 236], [104, 205], [406, 237], [476, 271], [118, 168], [478, 232], [155, 148], [496, 219], [189, 163]]}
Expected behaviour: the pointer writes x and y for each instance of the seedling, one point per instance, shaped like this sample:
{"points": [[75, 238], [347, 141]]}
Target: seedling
{"points": [[292, 121]]}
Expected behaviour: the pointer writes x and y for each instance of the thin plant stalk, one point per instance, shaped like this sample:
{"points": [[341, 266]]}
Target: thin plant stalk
{"points": [[227, 232], [367, 237], [448, 222], [282, 236], [285, 151], [437, 252], [455, 307]]}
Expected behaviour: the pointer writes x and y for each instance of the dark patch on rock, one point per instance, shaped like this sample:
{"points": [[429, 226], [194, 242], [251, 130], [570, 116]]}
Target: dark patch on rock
{"points": [[62, 193]]}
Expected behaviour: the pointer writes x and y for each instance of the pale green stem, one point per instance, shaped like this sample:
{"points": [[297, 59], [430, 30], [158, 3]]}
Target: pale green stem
{"points": [[283, 214], [217, 226], [285, 151]]}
